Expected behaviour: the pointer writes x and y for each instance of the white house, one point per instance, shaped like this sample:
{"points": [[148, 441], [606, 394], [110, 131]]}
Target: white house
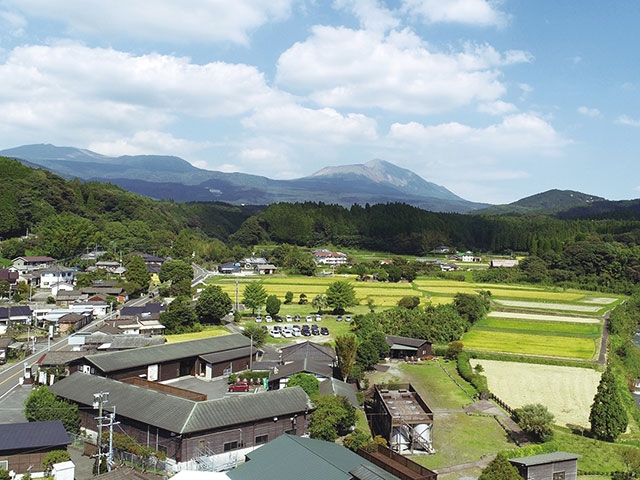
{"points": [[327, 257], [56, 275]]}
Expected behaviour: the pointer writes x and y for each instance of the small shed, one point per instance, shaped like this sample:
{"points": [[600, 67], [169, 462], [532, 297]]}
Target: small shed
{"points": [[402, 347], [548, 466]]}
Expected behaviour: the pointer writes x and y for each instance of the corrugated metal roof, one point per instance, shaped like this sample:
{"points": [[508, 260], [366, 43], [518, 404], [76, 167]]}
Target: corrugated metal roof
{"points": [[218, 357], [33, 435], [114, 361], [305, 458], [371, 472], [544, 458], [177, 414]]}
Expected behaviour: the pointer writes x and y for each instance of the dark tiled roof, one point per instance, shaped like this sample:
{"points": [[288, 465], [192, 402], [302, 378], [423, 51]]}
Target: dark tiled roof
{"points": [[301, 366], [544, 458], [306, 458], [177, 414], [33, 435], [308, 350], [333, 386], [409, 342], [59, 358], [227, 355], [114, 361], [151, 307]]}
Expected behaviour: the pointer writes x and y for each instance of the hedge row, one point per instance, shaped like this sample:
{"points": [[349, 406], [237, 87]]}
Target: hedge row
{"points": [[248, 376], [464, 369], [504, 357], [535, 449]]}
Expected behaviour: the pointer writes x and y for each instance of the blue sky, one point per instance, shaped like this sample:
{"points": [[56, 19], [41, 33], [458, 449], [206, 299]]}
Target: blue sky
{"points": [[494, 100]]}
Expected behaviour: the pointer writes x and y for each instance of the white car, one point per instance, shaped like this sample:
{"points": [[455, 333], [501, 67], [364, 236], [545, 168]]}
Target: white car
{"points": [[288, 318], [286, 333], [309, 318], [268, 318], [275, 333], [318, 318], [258, 319]]}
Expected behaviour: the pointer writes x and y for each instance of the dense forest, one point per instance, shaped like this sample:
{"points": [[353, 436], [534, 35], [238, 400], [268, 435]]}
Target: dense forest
{"points": [[67, 218]]}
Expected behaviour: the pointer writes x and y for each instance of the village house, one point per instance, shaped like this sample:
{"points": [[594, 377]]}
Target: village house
{"points": [[11, 277], [25, 265], [327, 257], [23, 446], [55, 275], [404, 347], [503, 262]]}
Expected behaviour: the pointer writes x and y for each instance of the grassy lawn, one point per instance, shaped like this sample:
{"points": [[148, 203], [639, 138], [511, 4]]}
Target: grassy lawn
{"points": [[436, 387], [551, 328], [597, 456], [210, 331]]}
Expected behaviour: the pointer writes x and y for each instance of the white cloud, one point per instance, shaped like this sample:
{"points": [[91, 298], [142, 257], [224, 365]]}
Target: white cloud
{"points": [[300, 124], [371, 14], [12, 23], [70, 89], [628, 121], [589, 112], [471, 12], [340, 67], [497, 108], [167, 21], [519, 134], [145, 143]]}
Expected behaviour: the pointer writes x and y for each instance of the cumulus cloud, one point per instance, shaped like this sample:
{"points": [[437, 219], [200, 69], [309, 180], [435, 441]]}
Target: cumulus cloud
{"points": [[589, 112], [69, 87], [518, 134], [305, 124], [147, 142], [340, 67], [470, 12], [371, 14], [167, 21], [628, 121], [497, 108]]}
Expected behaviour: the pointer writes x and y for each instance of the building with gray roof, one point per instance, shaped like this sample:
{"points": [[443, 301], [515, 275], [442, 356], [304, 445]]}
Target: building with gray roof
{"points": [[186, 429]]}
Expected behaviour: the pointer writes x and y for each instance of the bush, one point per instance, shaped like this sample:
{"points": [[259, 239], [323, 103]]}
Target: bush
{"points": [[54, 456], [475, 379]]}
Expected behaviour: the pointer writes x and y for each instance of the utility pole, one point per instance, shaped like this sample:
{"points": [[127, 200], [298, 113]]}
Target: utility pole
{"points": [[112, 422], [98, 400]]}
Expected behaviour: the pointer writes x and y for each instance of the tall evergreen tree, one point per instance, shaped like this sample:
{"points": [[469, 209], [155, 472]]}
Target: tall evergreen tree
{"points": [[608, 416], [346, 346], [500, 468], [254, 296], [137, 274], [212, 305]]}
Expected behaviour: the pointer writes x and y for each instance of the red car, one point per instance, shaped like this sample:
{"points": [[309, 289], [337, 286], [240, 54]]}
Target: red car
{"points": [[242, 386]]}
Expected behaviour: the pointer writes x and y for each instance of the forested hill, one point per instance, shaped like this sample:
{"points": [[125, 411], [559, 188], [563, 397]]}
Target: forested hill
{"points": [[70, 217]]}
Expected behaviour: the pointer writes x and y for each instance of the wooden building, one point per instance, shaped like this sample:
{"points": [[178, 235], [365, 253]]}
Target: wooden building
{"points": [[212, 357], [548, 466], [185, 428], [406, 347], [23, 446]]}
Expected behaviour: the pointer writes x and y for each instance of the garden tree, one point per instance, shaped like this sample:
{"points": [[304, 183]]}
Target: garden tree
{"points": [[53, 457], [379, 340], [309, 383], [273, 305], [454, 349], [86, 279], [12, 248], [288, 297], [340, 296], [608, 416], [254, 296], [258, 333], [371, 304], [357, 439], [534, 269], [409, 302], [137, 275], [43, 405], [212, 305], [537, 420], [5, 289], [394, 273], [383, 276], [175, 271], [471, 307], [319, 302], [180, 317], [303, 299], [346, 346], [333, 416], [500, 468], [23, 289], [367, 355]]}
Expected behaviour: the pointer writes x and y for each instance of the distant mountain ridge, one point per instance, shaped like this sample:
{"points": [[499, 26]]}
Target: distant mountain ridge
{"points": [[550, 202], [170, 177]]}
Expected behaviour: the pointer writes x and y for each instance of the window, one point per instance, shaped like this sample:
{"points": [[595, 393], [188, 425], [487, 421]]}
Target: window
{"points": [[230, 446], [558, 476], [260, 439], [4, 464]]}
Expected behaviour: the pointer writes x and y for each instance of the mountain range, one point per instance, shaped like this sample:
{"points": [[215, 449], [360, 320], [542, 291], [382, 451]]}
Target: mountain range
{"points": [[377, 181], [169, 177]]}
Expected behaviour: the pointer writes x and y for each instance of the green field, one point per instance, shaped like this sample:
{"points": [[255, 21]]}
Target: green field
{"points": [[590, 330]]}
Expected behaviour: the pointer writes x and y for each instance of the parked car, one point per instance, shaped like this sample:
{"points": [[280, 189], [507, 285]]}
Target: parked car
{"points": [[288, 318], [268, 318], [315, 330], [296, 318], [279, 319], [242, 386], [258, 319], [324, 331], [339, 318], [286, 333], [318, 318], [309, 318], [347, 318]]}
